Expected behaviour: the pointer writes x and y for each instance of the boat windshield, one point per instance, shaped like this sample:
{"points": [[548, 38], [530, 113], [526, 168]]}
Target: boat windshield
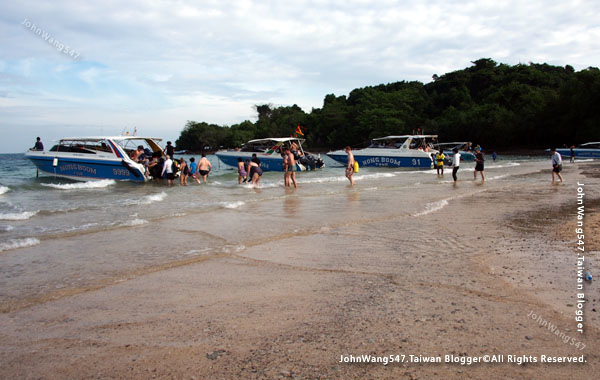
{"points": [[406, 142], [130, 145], [272, 146], [82, 146], [392, 143]]}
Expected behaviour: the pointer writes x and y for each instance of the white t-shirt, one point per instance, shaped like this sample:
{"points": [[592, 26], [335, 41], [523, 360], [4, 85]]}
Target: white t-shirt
{"points": [[456, 160], [556, 159], [168, 166]]}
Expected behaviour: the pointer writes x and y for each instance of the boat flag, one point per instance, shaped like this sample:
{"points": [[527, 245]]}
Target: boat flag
{"points": [[299, 130]]}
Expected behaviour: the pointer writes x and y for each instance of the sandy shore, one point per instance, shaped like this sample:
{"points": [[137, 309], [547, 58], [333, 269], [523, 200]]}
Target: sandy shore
{"points": [[462, 281]]}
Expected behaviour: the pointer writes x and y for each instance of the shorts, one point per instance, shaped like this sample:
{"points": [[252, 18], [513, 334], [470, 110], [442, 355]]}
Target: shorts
{"points": [[439, 166], [292, 168], [479, 167], [242, 173], [203, 172], [171, 176], [557, 168]]}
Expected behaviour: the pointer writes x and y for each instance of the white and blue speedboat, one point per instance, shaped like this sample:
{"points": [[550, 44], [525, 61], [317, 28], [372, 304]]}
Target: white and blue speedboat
{"points": [[269, 151], [91, 158], [407, 151], [587, 150], [464, 148]]}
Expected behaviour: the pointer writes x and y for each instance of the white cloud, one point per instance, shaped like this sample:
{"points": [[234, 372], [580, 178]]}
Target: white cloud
{"points": [[163, 62]]}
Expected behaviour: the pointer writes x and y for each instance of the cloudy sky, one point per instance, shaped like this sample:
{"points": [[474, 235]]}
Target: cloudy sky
{"points": [[77, 68]]}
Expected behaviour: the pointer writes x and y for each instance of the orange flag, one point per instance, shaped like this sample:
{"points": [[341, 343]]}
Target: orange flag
{"points": [[299, 130]]}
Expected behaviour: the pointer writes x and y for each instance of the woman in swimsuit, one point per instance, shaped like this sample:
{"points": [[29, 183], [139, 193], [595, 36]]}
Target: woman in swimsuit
{"points": [[242, 175], [255, 173]]}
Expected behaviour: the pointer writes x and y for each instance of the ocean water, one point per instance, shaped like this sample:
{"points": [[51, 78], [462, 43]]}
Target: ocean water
{"points": [[58, 235]]}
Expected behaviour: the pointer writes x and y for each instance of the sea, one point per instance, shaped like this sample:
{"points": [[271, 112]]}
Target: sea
{"points": [[58, 235]]}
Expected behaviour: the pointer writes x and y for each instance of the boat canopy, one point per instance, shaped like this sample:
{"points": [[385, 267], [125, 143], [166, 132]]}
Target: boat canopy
{"points": [[271, 145], [406, 136], [424, 142], [590, 145], [95, 144]]}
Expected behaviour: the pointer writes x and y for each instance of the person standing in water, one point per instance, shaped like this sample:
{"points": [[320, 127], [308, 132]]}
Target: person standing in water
{"points": [[254, 173], [556, 165], [204, 167], [168, 169], [455, 163], [290, 167], [439, 162], [479, 159], [242, 174], [350, 166]]}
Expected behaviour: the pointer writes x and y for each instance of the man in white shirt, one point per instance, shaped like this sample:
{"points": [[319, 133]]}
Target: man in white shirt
{"points": [[556, 165], [455, 163], [168, 168]]}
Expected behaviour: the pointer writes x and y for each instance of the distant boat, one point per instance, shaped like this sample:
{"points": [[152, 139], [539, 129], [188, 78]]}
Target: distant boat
{"points": [[268, 151], [91, 158], [410, 151], [587, 150], [463, 149]]}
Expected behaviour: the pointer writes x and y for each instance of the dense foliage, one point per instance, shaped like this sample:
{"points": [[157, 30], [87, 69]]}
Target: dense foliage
{"points": [[495, 105]]}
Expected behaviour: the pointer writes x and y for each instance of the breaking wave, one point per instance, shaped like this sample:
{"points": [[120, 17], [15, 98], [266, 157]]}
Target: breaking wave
{"points": [[18, 243], [18, 216], [81, 185], [433, 207], [4, 189]]}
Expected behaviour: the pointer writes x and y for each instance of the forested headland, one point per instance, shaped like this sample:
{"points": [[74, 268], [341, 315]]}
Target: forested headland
{"points": [[491, 104]]}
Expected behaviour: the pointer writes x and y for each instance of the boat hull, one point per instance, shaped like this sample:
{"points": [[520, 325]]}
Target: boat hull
{"points": [[84, 169], [394, 161], [580, 153], [268, 162]]}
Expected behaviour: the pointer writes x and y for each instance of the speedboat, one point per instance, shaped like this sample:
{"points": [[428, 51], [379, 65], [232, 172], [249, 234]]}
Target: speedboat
{"points": [[463, 149], [587, 150], [269, 151], [90, 158], [412, 151]]}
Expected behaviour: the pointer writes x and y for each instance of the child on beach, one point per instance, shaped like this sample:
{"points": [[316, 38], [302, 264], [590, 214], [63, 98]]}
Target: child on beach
{"points": [[242, 174]]}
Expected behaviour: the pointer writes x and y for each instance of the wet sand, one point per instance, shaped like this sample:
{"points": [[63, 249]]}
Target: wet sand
{"points": [[462, 280]]}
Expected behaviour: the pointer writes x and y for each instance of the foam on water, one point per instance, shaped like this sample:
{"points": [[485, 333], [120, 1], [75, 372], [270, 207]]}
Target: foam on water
{"points": [[232, 205], [433, 207], [148, 199], [6, 228], [134, 222], [507, 165], [18, 243], [81, 185], [4, 189], [18, 216]]}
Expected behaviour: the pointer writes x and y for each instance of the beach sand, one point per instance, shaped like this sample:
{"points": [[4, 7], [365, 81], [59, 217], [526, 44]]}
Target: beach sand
{"points": [[461, 279]]}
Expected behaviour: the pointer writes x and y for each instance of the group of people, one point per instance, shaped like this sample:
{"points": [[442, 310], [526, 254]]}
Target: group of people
{"points": [[440, 157], [249, 171], [195, 170], [163, 165]]}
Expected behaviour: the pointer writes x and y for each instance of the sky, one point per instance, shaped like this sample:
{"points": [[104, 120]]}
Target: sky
{"points": [[72, 68]]}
